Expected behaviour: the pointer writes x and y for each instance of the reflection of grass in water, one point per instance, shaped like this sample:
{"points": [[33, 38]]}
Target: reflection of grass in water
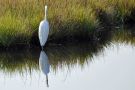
{"points": [[18, 61], [67, 55], [59, 56], [72, 54], [125, 35]]}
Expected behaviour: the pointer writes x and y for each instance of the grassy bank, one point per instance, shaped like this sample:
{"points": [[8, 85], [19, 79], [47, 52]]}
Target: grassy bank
{"points": [[69, 19]]}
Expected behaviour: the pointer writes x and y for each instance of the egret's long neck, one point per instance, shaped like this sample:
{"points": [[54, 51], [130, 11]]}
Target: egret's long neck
{"points": [[45, 12]]}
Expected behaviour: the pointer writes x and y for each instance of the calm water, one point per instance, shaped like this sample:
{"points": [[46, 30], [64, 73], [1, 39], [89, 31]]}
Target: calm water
{"points": [[100, 65]]}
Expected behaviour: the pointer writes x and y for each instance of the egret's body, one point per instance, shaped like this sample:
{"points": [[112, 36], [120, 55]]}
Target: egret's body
{"points": [[43, 30]]}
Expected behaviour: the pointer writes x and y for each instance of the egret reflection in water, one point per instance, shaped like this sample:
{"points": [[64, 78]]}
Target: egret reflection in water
{"points": [[44, 65]]}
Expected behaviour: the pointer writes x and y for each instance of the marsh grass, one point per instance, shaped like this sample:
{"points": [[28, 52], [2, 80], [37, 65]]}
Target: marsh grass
{"points": [[19, 19]]}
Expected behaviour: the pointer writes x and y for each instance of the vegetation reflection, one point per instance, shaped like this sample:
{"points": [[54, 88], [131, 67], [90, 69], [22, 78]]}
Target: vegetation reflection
{"points": [[63, 55]]}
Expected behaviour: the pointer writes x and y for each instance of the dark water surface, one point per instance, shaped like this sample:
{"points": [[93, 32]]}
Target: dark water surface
{"points": [[106, 63]]}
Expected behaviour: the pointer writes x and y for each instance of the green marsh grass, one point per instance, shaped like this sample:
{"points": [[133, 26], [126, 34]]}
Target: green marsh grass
{"points": [[19, 19]]}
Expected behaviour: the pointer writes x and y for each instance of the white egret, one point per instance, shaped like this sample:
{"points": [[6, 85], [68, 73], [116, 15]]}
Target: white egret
{"points": [[43, 30], [44, 65]]}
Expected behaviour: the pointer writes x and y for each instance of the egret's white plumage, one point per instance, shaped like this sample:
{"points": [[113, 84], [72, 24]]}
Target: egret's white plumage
{"points": [[43, 30]]}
